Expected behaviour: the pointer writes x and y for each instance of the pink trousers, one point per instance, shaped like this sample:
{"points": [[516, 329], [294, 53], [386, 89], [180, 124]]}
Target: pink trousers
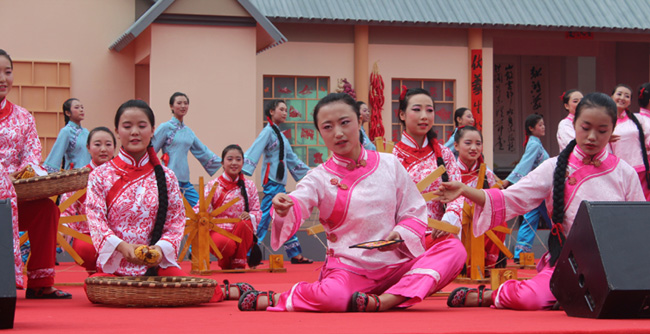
{"points": [[415, 280], [530, 295]]}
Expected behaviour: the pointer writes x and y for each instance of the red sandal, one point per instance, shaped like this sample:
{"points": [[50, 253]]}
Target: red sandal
{"points": [[359, 302], [248, 300]]}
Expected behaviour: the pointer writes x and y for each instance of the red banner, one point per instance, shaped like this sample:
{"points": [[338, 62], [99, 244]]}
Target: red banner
{"points": [[477, 87]]}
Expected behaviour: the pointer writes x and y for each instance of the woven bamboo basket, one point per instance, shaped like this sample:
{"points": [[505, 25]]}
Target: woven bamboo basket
{"points": [[49, 185], [150, 291]]}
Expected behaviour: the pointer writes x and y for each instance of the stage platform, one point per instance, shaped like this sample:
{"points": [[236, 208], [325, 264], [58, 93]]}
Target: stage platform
{"points": [[78, 315]]}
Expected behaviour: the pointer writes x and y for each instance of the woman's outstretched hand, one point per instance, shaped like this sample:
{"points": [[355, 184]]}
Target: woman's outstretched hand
{"points": [[391, 236], [449, 191], [281, 204]]}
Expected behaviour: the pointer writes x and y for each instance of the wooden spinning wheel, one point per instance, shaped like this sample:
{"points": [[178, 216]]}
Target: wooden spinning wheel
{"points": [[65, 230], [475, 246], [198, 228]]}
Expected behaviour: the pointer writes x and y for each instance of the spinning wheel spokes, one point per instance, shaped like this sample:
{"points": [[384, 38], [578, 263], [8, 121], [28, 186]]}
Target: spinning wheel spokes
{"points": [[198, 228]]}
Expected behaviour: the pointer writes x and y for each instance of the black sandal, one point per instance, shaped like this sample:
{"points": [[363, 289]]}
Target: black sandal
{"points": [[359, 302], [242, 287], [301, 260], [248, 301], [459, 295], [38, 294]]}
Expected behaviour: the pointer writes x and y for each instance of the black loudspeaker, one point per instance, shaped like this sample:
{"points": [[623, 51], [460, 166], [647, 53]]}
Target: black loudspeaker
{"points": [[604, 268], [7, 270]]}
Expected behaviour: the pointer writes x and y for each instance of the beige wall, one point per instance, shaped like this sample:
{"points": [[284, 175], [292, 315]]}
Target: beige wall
{"points": [[78, 31], [215, 67]]}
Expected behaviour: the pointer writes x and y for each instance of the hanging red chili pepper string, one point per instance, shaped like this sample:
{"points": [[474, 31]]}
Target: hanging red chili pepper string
{"points": [[376, 101]]}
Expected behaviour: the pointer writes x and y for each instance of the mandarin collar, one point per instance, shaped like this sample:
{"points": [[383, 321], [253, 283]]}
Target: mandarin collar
{"points": [[177, 122], [344, 162], [409, 141], [465, 169], [600, 156], [127, 158], [228, 178], [74, 125], [570, 117]]}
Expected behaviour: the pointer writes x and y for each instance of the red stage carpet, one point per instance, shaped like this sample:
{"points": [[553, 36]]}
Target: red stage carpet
{"points": [[431, 316]]}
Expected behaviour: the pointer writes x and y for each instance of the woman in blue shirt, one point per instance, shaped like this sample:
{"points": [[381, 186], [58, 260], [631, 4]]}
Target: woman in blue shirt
{"points": [[278, 158], [176, 139], [364, 111], [533, 156], [70, 144]]}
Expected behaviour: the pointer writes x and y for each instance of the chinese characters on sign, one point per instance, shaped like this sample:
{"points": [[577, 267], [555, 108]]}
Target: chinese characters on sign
{"points": [[504, 107], [477, 87]]}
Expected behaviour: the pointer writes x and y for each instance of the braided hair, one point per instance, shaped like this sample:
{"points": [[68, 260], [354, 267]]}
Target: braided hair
{"points": [[161, 181], [432, 137], [644, 95], [241, 182], [635, 120], [557, 237], [272, 105]]}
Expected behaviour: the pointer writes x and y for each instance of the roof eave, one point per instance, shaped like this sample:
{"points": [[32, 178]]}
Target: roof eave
{"points": [[264, 22], [140, 24]]}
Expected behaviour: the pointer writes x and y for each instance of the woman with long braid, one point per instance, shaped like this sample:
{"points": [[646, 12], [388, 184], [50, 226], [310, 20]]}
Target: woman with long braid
{"points": [[278, 158], [134, 201], [580, 172], [634, 137], [230, 185], [420, 153]]}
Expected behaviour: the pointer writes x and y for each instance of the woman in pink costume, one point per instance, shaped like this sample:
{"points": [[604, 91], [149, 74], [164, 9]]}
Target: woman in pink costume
{"points": [[361, 196], [581, 172]]}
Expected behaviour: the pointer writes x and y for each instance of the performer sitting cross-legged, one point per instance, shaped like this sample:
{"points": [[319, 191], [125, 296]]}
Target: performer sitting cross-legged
{"points": [[579, 173], [361, 196]]}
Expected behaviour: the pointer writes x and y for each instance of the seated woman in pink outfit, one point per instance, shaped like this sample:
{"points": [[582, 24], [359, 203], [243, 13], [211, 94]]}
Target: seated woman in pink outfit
{"points": [[230, 185], [582, 171], [101, 146], [361, 196]]}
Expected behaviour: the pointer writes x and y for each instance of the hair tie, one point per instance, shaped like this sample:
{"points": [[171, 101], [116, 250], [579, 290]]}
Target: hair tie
{"points": [[152, 156], [268, 119], [558, 231], [641, 92], [402, 95], [562, 96]]}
